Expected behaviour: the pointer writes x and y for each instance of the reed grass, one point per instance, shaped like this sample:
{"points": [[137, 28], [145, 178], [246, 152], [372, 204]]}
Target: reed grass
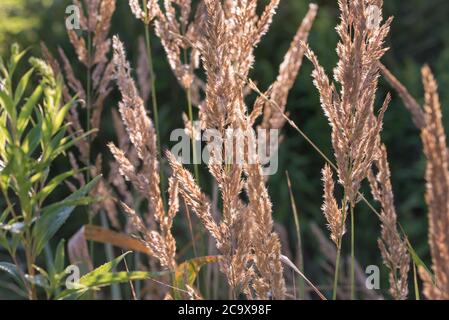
{"points": [[209, 46]]}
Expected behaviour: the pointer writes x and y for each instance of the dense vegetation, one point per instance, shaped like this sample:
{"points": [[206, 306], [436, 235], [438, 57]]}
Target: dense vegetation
{"points": [[413, 41]]}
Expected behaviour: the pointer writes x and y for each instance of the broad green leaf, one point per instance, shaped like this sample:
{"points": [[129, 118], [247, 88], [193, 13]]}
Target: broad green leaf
{"points": [[11, 269], [39, 280], [60, 256], [31, 140], [4, 242], [82, 201], [5, 214], [3, 68], [28, 107], [89, 279], [61, 115], [107, 279], [8, 104], [53, 217], [21, 87], [16, 56], [4, 135], [5, 175], [51, 185]]}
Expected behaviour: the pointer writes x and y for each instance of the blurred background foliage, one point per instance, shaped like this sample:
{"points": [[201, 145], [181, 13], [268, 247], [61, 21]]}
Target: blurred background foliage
{"points": [[419, 35]]}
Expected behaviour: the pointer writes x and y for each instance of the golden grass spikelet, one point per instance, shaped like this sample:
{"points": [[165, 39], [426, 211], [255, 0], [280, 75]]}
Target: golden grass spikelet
{"points": [[226, 49], [141, 133], [194, 198], [332, 212], [267, 247], [148, 13], [180, 37], [392, 247], [355, 127], [140, 129], [437, 188], [99, 14], [161, 244], [80, 46], [288, 72]]}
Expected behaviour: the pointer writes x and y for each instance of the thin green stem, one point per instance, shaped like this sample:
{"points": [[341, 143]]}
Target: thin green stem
{"points": [[190, 111], [154, 104], [195, 158], [415, 283], [301, 284], [337, 269], [352, 253], [321, 153], [153, 85], [30, 263], [88, 125]]}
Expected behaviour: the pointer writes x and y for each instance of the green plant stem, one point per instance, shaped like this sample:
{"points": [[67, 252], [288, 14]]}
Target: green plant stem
{"points": [[190, 111], [152, 77], [352, 253], [195, 159], [154, 105], [88, 126], [339, 243], [30, 262], [415, 283], [301, 284], [337, 269], [153, 86]]}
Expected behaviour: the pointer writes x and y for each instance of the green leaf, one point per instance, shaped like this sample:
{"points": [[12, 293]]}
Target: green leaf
{"points": [[107, 279], [28, 107], [89, 279], [416, 259], [21, 87], [12, 270], [187, 271], [60, 256], [8, 105], [16, 56], [61, 115], [50, 186], [31, 140], [4, 134], [5, 176], [39, 280], [53, 217], [5, 214], [73, 141]]}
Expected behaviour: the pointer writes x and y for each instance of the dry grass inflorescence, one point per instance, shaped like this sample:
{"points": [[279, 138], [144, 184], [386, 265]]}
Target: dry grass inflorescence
{"points": [[145, 193]]}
